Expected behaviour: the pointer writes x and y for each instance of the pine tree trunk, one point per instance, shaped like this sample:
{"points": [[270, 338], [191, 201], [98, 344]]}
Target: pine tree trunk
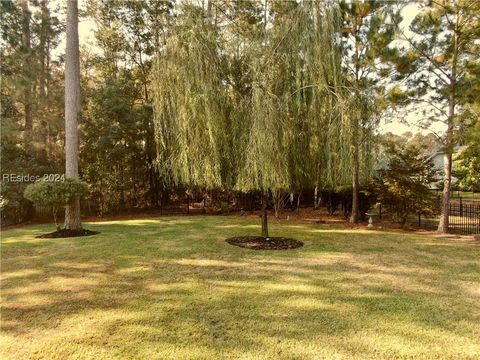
{"points": [[447, 167], [28, 130], [354, 217], [264, 215], [72, 108], [43, 76], [447, 180], [49, 142], [27, 66]]}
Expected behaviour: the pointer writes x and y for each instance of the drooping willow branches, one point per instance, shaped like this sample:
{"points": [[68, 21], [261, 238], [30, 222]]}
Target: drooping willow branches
{"points": [[286, 126], [190, 104], [303, 97]]}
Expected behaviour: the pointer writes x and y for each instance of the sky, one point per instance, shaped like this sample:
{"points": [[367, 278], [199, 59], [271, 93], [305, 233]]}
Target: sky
{"points": [[394, 125]]}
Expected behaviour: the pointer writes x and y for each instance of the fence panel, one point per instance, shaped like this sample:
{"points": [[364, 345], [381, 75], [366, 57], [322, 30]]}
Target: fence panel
{"points": [[464, 218]]}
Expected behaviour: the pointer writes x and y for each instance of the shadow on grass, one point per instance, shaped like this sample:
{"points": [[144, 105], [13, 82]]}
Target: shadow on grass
{"points": [[184, 285]]}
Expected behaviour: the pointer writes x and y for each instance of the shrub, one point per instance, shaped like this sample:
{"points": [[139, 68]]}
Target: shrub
{"points": [[55, 193], [403, 187]]}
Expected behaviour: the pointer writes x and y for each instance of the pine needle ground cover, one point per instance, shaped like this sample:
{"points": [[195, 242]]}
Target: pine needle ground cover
{"points": [[172, 288]]}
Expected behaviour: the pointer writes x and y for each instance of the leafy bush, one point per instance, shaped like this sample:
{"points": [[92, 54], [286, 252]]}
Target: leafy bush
{"points": [[55, 193]]}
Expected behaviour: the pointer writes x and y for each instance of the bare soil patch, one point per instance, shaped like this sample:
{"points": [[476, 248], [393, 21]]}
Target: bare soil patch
{"points": [[261, 243], [64, 233]]}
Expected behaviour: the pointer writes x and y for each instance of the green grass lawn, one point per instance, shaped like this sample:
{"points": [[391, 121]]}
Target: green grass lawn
{"points": [[171, 288]]}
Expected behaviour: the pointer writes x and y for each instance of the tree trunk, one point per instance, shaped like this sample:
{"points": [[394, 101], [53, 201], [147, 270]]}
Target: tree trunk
{"points": [[43, 50], [28, 126], [447, 180], [72, 215], [49, 142], [54, 210], [72, 108], [298, 201], [277, 202], [49, 139], [43, 76], [354, 217], [122, 188], [27, 69], [264, 215], [209, 9], [265, 5]]}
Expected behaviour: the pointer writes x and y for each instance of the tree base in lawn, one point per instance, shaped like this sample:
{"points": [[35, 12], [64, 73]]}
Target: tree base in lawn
{"points": [[64, 233], [261, 243]]}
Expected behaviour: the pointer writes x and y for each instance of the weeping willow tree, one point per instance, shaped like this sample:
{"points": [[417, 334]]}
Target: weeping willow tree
{"points": [[299, 134], [283, 128]]}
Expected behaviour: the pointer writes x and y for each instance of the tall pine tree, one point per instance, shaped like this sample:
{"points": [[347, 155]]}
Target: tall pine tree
{"points": [[437, 62], [72, 109]]}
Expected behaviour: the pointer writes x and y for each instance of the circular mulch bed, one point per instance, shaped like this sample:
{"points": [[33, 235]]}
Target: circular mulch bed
{"points": [[64, 233], [261, 243]]}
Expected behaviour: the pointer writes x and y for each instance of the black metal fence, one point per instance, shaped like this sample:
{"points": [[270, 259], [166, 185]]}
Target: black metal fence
{"points": [[463, 219]]}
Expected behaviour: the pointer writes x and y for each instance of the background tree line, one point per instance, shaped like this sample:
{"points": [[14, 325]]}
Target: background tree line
{"points": [[162, 73]]}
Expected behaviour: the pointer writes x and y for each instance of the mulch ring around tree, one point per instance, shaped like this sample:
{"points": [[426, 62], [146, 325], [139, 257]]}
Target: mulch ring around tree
{"points": [[64, 233], [261, 243]]}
